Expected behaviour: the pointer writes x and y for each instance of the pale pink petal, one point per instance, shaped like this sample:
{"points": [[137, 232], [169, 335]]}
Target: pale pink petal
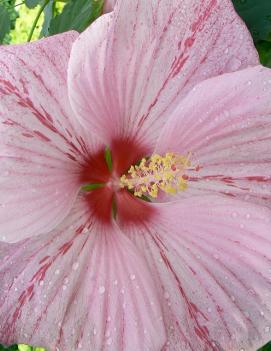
{"points": [[226, 123], [211, 260], [40, 150], [109, 5], [84, 286], [127, 73]]}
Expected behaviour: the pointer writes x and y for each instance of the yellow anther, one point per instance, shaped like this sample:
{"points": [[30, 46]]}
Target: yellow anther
{"points": [[158, 173]]}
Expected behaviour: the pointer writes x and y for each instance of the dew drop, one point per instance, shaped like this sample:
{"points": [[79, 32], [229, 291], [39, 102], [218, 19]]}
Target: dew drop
{"points": [[109, 341], [132, 277], [166, 295], [75, 266], [101, 290]]}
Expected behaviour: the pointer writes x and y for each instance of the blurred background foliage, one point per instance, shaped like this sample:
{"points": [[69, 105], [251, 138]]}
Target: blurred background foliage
{"points": [[26, 20]]}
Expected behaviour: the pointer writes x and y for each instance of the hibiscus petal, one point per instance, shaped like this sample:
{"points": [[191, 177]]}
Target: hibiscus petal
{"points": [[127, 73], [226, 123], [83, 286], [41, 150], [211, 259]]}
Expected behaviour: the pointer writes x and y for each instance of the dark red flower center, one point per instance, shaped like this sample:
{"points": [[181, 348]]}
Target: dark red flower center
{"points": [[100, 179]]}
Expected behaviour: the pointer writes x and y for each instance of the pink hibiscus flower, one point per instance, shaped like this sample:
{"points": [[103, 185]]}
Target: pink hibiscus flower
{"points": [[185, 272]]}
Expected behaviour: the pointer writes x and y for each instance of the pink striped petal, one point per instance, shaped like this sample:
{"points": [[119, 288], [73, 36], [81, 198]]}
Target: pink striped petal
{"points": [[40, 150], [211, 260], [226, 124], [127, 73], [84, 286]]}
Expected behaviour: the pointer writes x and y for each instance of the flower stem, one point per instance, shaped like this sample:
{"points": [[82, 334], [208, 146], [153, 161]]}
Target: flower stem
{"points": [[36, 20]]}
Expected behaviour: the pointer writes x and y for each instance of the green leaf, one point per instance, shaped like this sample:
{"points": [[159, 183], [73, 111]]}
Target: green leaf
{"points": [[267, 347], [5, 23], [48, 16], [23, 347], [257, 15], [32, 3], [264, 50], [77, 15], [10, 348]]}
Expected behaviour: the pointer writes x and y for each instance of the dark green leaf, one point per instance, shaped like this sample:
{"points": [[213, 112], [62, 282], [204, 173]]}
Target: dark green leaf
{"points": [[48, 15], [32, 3], [267, 347], [5, 23], [264, 50], [10, 348], [257, 15], [77, 15]]}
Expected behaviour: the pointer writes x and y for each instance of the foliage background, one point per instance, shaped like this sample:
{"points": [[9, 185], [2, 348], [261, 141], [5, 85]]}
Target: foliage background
{"points": [[27, 20]]}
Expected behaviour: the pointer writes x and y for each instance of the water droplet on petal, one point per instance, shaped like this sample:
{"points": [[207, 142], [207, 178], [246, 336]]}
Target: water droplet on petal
{"points": [[132, 277], [75, 266], [166, 295], [267, 329], [101, 290], [109, 341]]}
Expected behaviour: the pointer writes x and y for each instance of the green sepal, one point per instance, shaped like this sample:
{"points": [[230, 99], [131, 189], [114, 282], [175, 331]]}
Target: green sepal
{"points": [[114, 208], [93, 186], [108, 158]]}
